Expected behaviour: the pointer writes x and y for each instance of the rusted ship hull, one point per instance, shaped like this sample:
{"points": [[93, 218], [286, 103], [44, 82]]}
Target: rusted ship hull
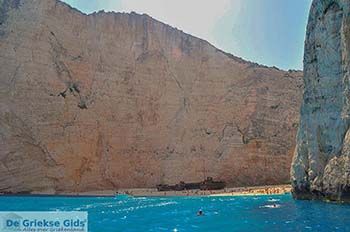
{"points": [[208, 184], [217, 185]]}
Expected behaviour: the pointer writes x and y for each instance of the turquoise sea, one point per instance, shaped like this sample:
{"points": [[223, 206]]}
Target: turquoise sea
{"points": [[263, 213]]}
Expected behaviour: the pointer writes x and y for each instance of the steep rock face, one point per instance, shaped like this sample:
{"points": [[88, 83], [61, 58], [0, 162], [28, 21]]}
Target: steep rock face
{"points": [[321, 163], [113, 100]]}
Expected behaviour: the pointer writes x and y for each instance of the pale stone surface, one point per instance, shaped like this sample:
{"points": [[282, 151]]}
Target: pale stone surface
{"points": [[113, 100], [321, 163]]}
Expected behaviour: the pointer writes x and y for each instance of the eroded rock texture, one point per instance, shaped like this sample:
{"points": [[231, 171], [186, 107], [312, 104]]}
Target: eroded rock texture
{"points": [[321, 165], [113, 100]]}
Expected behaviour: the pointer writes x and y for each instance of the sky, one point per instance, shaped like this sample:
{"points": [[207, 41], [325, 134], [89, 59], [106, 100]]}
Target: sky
{"points": [[269, 32]]}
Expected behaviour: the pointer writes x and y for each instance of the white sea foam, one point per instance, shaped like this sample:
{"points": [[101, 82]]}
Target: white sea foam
{"points": [[133, 208], [271, 206]]}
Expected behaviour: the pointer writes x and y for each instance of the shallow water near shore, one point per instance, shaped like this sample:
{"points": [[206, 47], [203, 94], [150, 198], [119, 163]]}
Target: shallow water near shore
{"points": [[245, 213]]}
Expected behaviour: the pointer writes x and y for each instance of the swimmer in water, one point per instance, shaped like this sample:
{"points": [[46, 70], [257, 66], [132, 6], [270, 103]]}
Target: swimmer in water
{"points": [[200, 213]]}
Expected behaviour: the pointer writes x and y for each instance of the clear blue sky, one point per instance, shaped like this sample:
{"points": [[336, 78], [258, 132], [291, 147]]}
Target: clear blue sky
{"points": [[269, 32]]}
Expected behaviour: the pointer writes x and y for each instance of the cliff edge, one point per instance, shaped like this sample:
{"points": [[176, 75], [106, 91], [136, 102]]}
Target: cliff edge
{"points": [[321, 165]]}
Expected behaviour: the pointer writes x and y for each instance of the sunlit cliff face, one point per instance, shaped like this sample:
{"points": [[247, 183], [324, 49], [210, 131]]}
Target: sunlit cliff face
{"points": [[321, 159], [113, 100]]}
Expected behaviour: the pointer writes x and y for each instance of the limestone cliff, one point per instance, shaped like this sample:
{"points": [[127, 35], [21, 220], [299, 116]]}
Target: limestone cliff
{"points": [[112, 100], [321, 165]]}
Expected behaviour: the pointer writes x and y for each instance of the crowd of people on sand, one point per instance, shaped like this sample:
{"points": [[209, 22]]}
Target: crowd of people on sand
{"points": [[268, 191], [227, 191]]}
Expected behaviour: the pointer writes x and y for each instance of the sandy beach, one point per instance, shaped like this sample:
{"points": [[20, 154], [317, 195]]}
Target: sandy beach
{"points": [[241, 191], [153, 192]]}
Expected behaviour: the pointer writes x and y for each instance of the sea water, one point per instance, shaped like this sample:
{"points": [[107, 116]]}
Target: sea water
{"points": [[248, 213]]}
